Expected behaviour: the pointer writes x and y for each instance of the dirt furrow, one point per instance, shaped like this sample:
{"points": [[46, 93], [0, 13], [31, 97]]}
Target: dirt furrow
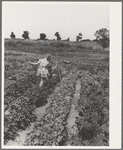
{"points": [[71, 129], [50, 129], [19, 113], [39, 112]]}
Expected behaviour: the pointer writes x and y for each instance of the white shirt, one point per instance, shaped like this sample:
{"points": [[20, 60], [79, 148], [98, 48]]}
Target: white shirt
{"points": [[43, 63], [44, 72]]}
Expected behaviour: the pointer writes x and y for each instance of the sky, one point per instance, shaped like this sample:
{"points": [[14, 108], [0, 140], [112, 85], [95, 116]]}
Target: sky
{"points": [[67, 18]]}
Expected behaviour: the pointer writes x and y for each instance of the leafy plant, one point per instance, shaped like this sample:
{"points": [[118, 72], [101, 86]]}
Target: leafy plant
{"points": [[94, 109]]}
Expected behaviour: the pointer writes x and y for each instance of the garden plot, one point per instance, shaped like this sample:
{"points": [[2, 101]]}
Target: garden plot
{"points": [[93, 108], [50, 130], [37, 116], [19, 110], [77, 114], [39, 113]]}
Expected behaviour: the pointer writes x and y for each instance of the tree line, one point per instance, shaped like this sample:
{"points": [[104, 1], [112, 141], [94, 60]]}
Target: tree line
{"points": [[102, 36], [25, 35]]}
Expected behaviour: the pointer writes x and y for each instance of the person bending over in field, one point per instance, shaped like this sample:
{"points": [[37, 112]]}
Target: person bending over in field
{"points": [[44, 69]]}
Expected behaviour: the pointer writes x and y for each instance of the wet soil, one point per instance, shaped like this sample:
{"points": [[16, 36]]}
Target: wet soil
{"points": [[71, 129]]}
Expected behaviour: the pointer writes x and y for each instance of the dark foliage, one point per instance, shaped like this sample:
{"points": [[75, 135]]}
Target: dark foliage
{"points": [[42, 36], [102, 37], [94, 109], [79, 37], [104, 42], [58, 36], [85, 40], [25, 35], [12, 35]]}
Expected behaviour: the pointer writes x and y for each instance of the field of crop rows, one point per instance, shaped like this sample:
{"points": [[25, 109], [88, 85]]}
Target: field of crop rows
{"points": [[73, 112]]}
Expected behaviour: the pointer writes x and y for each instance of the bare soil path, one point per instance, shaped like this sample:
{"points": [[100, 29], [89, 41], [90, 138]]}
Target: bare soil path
{"points": [[72, 130]]}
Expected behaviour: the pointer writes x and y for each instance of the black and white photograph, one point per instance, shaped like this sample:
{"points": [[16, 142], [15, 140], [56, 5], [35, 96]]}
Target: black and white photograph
{"points": [[58, 90]]}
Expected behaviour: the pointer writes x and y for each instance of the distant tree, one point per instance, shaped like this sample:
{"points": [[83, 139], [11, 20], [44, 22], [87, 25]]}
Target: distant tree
{"points": [[58, 36], [102, 36], [25, 35], [79, 36], [42, 36], [12, 35]]}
